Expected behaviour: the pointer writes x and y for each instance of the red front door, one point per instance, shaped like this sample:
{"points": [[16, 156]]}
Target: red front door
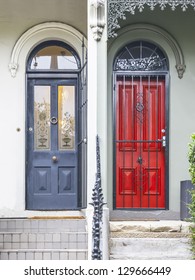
{"points": [[140, 142]]}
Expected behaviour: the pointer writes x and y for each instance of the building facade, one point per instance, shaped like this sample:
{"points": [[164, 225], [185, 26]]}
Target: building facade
{"points": [[72, 70]]}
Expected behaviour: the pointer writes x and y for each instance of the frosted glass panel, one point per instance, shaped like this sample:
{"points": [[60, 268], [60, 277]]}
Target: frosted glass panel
{"points": [[42, 117], [66, 117]]}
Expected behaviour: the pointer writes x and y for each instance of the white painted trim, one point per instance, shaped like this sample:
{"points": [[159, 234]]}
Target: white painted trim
{"points": [[142, 31], [43, 32]]}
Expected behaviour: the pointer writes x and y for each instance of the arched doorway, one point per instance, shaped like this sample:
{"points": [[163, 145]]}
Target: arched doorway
{"points": [[141, 107], [56, 129]]}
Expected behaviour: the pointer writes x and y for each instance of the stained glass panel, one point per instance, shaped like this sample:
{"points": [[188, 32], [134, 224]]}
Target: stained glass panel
{"points": [[66, 117], [42, 117]]}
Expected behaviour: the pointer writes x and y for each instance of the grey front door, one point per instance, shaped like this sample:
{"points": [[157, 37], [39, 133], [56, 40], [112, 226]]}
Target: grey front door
{"points": [[52, 156]]}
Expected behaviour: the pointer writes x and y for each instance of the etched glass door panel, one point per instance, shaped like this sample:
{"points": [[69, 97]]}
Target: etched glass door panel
{"points": [[66, 116], [42, 117]]}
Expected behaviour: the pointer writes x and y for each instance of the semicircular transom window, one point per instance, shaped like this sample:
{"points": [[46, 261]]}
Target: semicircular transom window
{"points": [[54, 57], [141, 56]]}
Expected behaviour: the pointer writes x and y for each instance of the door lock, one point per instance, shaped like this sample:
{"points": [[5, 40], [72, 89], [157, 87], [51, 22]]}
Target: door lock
{"points": [[163, 140], [53, 120]]}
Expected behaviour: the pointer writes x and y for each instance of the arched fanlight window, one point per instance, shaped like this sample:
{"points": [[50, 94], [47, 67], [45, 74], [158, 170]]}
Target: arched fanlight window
{"points": [[53, 56], [141, 56]]}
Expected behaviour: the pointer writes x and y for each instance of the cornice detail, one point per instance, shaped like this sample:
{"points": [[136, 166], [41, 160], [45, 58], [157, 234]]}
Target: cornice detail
{"points": [[117, 9]]}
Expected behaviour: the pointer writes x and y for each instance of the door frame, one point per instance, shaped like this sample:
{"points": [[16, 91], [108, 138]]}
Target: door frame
{"points": [[165, 75]]}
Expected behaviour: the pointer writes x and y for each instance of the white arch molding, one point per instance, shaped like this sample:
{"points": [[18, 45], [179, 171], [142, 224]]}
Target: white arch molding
{"points": [[156, 35], [40, 33]]}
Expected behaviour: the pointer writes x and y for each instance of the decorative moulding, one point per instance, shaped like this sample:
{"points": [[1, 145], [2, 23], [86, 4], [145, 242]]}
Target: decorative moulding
{"points": [[97, 18], [13, 67], [39, 33]]}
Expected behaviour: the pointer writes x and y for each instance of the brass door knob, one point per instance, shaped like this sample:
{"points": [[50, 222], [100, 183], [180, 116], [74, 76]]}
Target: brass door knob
{"points": [[55, 159]]}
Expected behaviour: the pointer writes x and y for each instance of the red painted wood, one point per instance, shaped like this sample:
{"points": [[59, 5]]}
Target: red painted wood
{"points": [[140, 166]]}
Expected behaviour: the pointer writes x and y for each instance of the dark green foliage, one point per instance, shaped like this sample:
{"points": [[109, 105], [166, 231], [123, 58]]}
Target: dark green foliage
{"points": [[191, 158]]}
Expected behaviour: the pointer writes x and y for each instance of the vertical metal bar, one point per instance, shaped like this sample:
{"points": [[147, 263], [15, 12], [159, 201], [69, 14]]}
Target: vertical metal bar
{"points": [[133, 144], [167, 99], [124, 134], [115, 120], [141, 138], [158, 147], [116, 82], [149, 137]]}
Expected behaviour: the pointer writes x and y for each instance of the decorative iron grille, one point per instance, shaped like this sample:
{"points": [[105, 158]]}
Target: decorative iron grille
{"points": [[141, 56]]}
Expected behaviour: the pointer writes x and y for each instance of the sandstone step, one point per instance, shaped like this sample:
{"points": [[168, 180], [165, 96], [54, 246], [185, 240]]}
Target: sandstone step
{"points": [[150, 226], [37, 254]]}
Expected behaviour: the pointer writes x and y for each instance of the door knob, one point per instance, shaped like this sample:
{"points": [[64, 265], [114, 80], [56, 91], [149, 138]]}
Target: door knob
{"points": [[55, 159]]}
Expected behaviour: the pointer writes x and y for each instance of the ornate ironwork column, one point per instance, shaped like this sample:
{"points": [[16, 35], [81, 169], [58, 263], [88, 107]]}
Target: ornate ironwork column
{"points": [[97, 198]]}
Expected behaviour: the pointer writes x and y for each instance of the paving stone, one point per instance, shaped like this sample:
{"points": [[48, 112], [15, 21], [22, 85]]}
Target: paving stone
{"points": [[30, 255], [46, 256], [21, 256], [15, 237], [3, 256], [48, 237], [13, 256], [38, 256], [55, 256], [32, 237], [56, 237], [7, 238], [63, 256]]}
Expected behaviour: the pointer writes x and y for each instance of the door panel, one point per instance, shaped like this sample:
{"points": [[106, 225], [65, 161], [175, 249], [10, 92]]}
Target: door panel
{"points": [[51, 144], [140, 153]]}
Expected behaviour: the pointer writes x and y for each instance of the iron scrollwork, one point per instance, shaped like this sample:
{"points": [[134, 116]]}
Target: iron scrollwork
{"points": [[97, 198], [117, 9], [140, 64]]}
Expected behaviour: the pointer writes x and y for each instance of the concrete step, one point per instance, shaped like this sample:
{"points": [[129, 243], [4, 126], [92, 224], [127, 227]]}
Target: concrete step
{"points": [[150, 249], [37, 254], [155, 240]]}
